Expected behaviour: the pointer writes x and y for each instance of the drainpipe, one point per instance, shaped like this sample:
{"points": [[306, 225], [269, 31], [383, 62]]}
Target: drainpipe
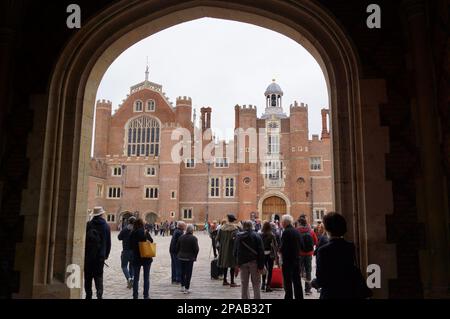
{"points": [[312, 197]]}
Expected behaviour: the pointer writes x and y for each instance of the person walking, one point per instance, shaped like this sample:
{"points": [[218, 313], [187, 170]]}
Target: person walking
{"points": [[213, 235], [270, 254], [337, 274], [226, 237], [187, 252], [97, 250], [249, 253], [309, 240], [173, 226], [321, 236], [176, 266], [290, 254], [138, 235], [127, 253]]}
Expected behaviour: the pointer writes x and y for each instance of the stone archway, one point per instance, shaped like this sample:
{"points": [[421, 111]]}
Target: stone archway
{"points": [[151, 218], [273, 208], [92, 50], [123, 218]]}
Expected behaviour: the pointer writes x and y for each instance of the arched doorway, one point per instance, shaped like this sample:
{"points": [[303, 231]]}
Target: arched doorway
{"points": [[151, 218], [92, 50], [273, 208]]}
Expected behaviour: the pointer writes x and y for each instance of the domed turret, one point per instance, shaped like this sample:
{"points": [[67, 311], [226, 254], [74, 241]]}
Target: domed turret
{"points": [[274, 88], [274, 96]]}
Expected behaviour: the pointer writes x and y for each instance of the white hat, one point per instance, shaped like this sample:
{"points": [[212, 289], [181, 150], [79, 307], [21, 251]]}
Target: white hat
{"points": [[98, 211]]}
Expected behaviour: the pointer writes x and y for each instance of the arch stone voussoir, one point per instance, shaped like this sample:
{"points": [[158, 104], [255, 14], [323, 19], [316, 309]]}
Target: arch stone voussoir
{"points": [[102, 39]]}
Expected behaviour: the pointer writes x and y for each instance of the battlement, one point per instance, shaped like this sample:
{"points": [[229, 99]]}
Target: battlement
{"points": [[105, 104], [184, 100], [299, 107], [247, 108]]}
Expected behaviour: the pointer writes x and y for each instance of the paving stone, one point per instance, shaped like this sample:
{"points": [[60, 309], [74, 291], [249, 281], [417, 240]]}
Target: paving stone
{"points": [[202, 287]]}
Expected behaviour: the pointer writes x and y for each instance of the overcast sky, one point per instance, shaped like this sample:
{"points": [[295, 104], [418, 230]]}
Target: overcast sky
{"points": [[221, 63]]}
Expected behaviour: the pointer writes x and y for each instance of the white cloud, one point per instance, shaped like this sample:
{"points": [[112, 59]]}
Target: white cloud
{"points": [[221, 63]]}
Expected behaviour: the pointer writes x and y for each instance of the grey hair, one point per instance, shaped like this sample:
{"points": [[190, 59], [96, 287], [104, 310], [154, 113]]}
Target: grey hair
{"points": [[181, 225], [190, 229], [287, 219], [247, 225]]}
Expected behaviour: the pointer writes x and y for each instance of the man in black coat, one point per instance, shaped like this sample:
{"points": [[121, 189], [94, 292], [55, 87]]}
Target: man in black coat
{"points": [[97, 249], [290, 253], [176, 266]]}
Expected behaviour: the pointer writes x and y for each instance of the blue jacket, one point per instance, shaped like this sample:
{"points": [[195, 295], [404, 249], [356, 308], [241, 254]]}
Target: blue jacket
{"points": [[124, 236], [173, 243]]}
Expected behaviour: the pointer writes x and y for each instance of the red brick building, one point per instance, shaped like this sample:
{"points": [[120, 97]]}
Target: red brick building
{"points": [[280, 171]]}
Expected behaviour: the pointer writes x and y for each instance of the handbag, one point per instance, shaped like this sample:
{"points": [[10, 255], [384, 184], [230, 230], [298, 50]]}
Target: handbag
{"points": [[147, 249]]}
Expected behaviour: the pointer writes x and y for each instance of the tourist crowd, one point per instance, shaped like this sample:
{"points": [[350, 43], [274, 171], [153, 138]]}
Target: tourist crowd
{"points": [[267, 254]]}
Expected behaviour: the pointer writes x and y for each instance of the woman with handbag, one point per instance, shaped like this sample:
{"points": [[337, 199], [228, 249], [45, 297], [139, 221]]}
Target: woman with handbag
{"points": [[140, 235], [270, 255]]}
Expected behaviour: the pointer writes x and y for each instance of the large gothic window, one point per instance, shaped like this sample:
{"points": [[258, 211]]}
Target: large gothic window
{"points": [[143, 135]]}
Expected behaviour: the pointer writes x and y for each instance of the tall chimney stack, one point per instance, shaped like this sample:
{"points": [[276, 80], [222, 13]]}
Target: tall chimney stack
{"points": [[325, 131]]}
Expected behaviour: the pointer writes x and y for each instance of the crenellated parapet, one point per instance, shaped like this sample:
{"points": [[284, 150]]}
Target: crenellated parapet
{"points": [[104, 104], [299, 107], [184, 101], [247, 109]]}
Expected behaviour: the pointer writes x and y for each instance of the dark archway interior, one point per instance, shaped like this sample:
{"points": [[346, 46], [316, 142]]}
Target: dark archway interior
{"points": [[393, 188]]}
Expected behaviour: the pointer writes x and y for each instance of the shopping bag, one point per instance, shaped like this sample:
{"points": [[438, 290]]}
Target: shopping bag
{"points": [[277, 278], [147, 249]]}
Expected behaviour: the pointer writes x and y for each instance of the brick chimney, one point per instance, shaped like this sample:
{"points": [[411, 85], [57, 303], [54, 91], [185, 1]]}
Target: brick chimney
{"points": [[325, 131], [206, 118]]}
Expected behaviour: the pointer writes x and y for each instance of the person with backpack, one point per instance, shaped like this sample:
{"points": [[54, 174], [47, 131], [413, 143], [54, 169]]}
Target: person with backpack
{"points": [[138, 235], [127, 254], [97, 249], [249, 253], [308, 241]]}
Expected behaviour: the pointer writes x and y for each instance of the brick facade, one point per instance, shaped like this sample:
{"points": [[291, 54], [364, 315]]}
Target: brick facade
{"points": [[183, 189]]}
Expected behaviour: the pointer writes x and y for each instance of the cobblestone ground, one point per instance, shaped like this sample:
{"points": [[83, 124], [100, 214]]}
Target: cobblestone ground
{"points": [[202, 287]]}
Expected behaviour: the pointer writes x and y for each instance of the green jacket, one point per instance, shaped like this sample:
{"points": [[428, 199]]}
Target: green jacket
{"points": [[226, 237]]}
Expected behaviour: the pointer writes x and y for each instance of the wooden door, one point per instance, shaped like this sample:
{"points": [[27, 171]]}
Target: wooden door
{"points": [[273, 206]]}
